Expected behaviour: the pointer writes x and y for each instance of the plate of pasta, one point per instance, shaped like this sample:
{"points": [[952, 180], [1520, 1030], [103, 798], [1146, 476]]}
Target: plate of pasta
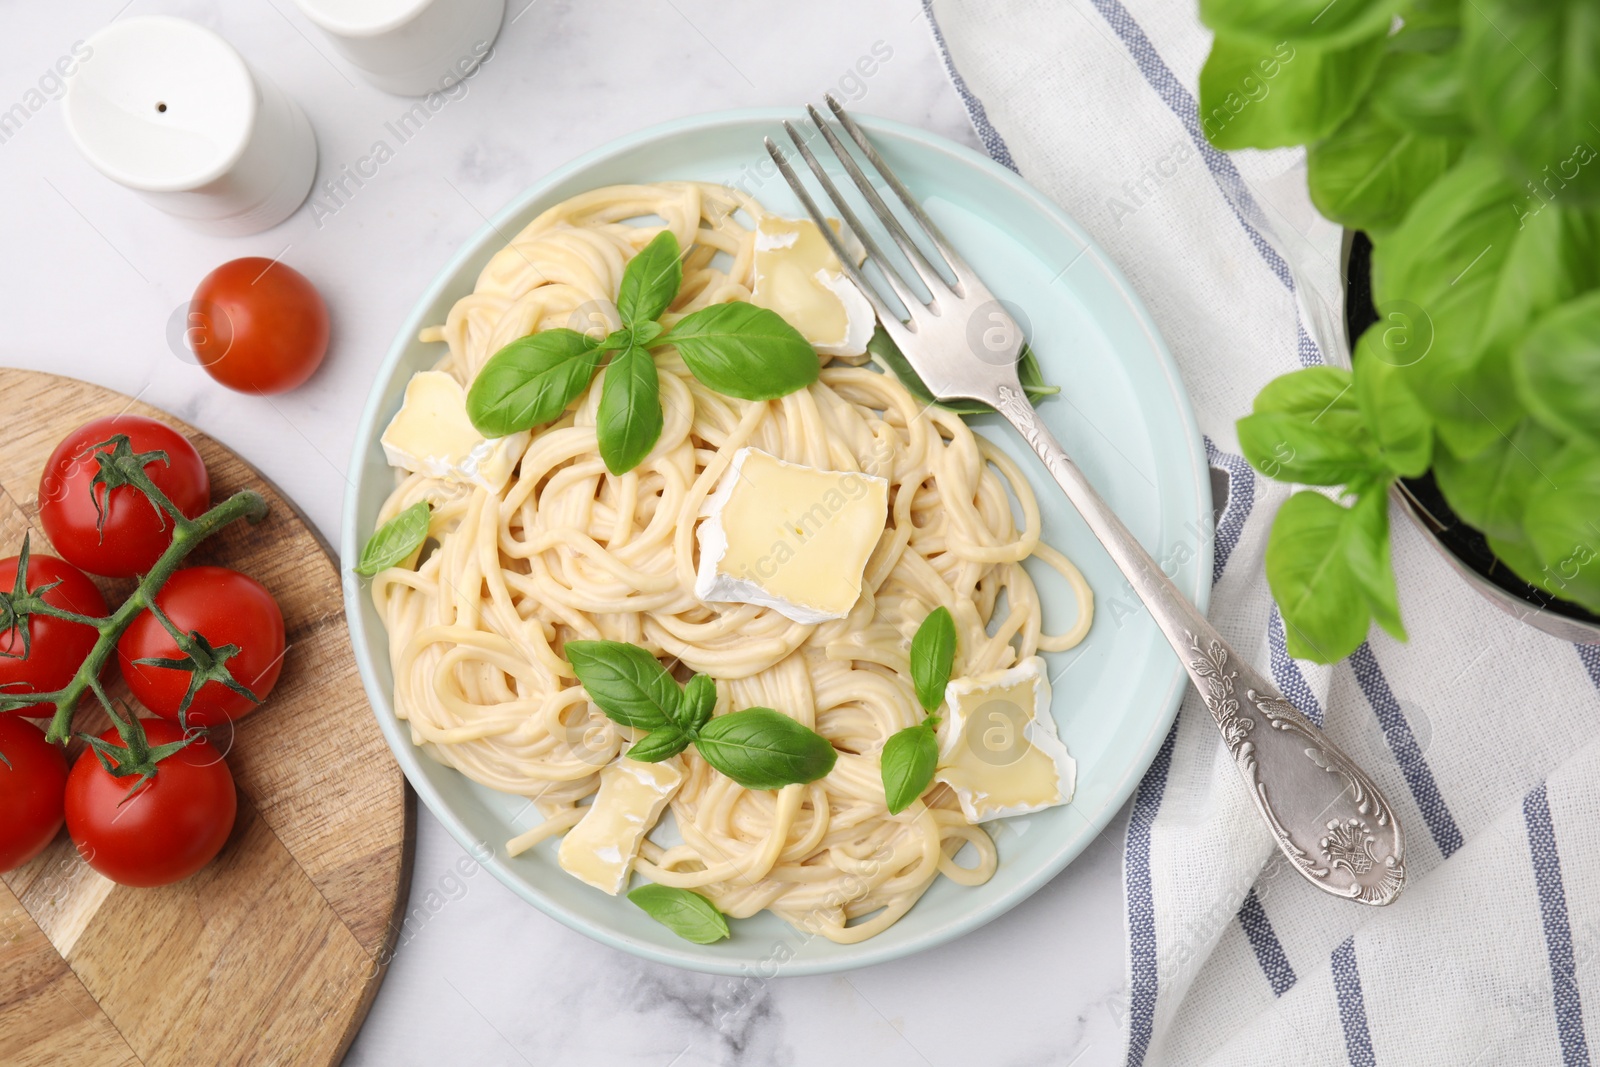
{"points": [[684, 606]]}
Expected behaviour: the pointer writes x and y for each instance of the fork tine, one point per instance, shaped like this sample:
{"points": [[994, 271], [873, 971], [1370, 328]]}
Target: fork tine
{"points": [[885, 315], [874, 252], [958, 266], [930, 275]]}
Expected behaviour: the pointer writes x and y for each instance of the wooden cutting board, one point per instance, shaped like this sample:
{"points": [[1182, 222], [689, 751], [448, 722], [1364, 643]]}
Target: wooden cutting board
{"points": [[274, 952]]}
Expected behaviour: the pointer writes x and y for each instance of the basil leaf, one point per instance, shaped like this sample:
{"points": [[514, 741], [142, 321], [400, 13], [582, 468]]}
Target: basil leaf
{"points": [[1257, 94], [1517, 54], [1366, 174], [741, 350], [1323, 396], [689, 915], [1557, 368], [1490, 489], [626, 682], [650, 280], [887, 355], [762, 749], [1325, 610], [1560, 519], [1424, 93], [1400, 425], [699, 700], [1293, 448], [908, 762], [629, 421], [1315, 21], [661, 743], [531, 381], [1367, 549], [645, 333], [933, 653], [396, 540]]}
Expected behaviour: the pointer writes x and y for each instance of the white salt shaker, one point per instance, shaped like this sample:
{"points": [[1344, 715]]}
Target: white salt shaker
{"points": [[170, 110], [410, 47]]}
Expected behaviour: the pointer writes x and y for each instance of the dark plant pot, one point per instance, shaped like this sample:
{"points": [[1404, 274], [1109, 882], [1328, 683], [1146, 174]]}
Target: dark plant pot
{"points": [[1462, 546]]}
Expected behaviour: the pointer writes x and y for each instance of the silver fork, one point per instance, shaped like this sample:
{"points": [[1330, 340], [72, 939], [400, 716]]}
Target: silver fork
{"points": [[1326, 815]]}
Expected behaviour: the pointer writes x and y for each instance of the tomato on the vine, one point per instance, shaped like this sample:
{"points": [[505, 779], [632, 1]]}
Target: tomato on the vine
{"points": [[119, 533], [258, 325], [31, 791], [224, 607], [155, 832], [54, 648]]}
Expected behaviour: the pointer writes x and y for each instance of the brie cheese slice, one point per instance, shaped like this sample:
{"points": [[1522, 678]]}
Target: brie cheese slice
{"points": [[999, 751], [431, 434], [798, 276], [601, 848], [789, 537]]}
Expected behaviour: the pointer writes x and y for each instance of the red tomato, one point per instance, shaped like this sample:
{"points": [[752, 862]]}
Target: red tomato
{"points": [[134, 533], [258, 326], [169, 828], [55, 647], [31, 791], [226, 608]]}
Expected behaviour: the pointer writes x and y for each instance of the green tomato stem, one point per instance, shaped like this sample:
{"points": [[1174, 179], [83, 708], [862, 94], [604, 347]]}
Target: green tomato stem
{"points": [[186, 537]]}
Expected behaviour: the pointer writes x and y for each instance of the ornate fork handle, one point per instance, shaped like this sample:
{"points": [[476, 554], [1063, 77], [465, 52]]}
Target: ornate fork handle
{"points": [[1327, 816]]}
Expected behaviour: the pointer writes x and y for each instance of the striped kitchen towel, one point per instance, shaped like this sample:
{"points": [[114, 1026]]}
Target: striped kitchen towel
{"points": [[1481, 730]]}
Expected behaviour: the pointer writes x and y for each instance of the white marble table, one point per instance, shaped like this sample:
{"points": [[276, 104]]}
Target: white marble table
{"points": [[92, 277]]}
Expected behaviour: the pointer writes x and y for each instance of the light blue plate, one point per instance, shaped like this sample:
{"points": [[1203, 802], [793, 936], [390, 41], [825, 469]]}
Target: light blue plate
{"points": [[1123, 414]]}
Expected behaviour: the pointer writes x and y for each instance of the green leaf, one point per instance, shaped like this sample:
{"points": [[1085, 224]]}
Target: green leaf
{"points": [[745, 351], [908, 762], [1424, 92], [1475, 264], [1400, 426], [626, 682], [1557, 368], [689, 915], [933, 654], [1294, 448], [1324, 395], [1325, 609], [1312, 21], [396, 540], [699, 700], [531, 381], [629, 422], [1367, 173], [1367, 548], [650, 281], [661, 743], [1490, 489], [1534, 88], [1562, 518], [887, 355], [1524, 562], [762, 749], [1258, 94]]}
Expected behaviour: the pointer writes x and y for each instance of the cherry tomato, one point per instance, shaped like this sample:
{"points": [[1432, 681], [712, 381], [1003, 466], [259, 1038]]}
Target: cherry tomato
{"points": [[226, 608], [258, 326], [168, 828], [55, 647], [31, 791], [134, 533]]}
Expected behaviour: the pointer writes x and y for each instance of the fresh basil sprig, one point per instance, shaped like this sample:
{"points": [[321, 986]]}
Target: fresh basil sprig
{"points": [[396, 540], [911, 755], [737, 349], [759, 748], [689, 915]]}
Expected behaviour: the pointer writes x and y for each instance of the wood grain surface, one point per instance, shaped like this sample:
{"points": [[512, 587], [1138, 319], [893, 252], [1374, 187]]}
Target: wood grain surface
{"points": [[272, 954]]}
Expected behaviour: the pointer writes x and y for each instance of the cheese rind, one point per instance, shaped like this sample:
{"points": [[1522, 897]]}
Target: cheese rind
{"points": [[798, 276], [999, 751], [789, 537], [431, 434], [601, 848]]}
